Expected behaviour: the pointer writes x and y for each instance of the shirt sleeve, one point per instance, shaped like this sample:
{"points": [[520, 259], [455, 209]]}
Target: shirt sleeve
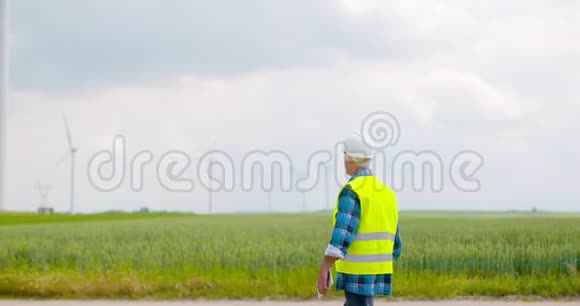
{"points": [[347, 223], [398, 244]]}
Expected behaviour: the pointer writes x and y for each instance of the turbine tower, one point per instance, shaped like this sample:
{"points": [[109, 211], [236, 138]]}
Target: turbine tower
{"points": [[4, 63], [73, 152], [301, 191], [210, 200], [326, 184]]}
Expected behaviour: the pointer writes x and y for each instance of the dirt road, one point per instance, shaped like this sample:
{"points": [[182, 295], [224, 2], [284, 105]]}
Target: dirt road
{"points": [[266, 303]]}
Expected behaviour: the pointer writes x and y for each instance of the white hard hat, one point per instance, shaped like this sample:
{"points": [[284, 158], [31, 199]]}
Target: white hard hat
{"points": [[356, 147]]}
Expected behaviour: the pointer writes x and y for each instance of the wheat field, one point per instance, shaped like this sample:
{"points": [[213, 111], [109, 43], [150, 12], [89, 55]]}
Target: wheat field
{"points": [[277, 256]]}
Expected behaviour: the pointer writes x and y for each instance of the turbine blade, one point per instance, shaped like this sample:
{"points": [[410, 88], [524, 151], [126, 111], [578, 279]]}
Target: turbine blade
{"points": [[68, 135]]}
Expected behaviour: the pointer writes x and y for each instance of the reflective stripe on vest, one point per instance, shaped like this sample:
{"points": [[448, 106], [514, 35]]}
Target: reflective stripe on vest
{"points": [[371, 252], [368, 258], [375, 236]]}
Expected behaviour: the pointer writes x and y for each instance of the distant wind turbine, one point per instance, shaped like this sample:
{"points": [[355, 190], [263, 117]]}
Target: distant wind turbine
{"points": [[269, 192], [73, 152], [210, 199], [4, 70], [326, 183], [301, 190]]}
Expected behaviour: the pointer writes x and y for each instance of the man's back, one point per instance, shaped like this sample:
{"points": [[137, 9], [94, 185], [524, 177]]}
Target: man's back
{"points": [[365, 239], [372, 248], [347, 218]]}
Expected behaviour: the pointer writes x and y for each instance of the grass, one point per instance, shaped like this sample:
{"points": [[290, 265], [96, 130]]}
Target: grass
{"points": [[277, 256], [31, 218]]}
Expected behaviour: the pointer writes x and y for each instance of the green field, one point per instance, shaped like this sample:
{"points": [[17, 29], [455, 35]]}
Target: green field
{"points": [[240, 256]]}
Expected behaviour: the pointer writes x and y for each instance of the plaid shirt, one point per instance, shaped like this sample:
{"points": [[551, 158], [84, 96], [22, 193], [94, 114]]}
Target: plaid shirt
{"points": [[345, 230]]}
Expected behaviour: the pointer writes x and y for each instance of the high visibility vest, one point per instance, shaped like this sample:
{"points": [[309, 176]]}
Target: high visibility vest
{"points": [[372, 250]]}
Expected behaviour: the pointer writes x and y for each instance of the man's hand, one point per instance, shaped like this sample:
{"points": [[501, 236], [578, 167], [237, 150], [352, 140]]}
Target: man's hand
{"points": [[323, 275], [323, 282]]}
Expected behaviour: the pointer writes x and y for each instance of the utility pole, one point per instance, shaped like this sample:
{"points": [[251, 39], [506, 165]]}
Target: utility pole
{"points": [[43, 190], [4, 71]]}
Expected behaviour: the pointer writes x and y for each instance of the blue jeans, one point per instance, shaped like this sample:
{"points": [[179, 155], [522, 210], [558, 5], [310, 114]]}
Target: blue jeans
{"points": [[353, 299]]}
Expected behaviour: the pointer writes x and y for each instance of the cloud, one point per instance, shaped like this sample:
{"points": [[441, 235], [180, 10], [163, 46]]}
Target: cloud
{"points": [[268, 110], [86, 44], [498, 77], [71, 44]]}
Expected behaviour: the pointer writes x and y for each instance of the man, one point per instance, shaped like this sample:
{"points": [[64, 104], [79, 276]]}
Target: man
{"points": [[366, 239]]}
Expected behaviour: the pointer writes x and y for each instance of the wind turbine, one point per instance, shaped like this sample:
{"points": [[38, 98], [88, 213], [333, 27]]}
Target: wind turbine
{"points": [[3, 91], [303, 194], [73, 152], [210, 199], [326, 183], [304, 177]]}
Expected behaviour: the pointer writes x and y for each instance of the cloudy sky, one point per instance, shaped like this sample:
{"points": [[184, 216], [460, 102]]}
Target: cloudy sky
{"points": [[498, 77]]}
